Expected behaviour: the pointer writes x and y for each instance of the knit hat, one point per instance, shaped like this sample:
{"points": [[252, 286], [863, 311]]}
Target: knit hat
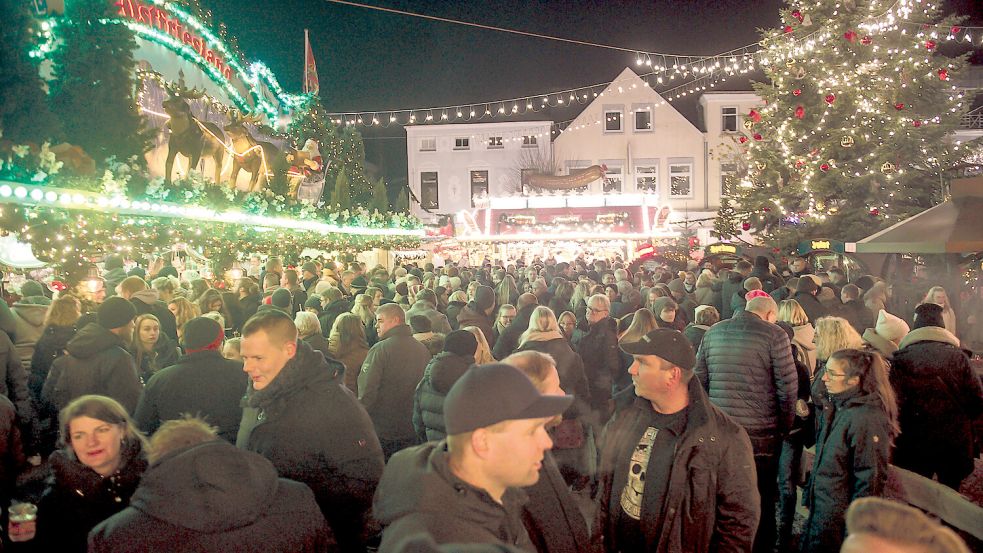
{"points": [[31, 288], [310, 267], [280, 298], [484, 297], [115, 312], [359, 283], [676, 285], [806, 285], [699, 309], [461, 342], [756, 294], [865, 283], [666, 343], [314, 302], [890, 327], [420, 324], [493, 393], [761, 261], [202, 333], [929, 314]]}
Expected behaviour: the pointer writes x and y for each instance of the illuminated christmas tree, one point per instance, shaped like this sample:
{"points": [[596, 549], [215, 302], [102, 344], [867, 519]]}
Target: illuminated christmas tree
{"points": [[854, 132]]}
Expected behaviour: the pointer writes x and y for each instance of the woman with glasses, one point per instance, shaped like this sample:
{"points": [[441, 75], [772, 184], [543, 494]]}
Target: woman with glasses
{"points": [[853, 448]]}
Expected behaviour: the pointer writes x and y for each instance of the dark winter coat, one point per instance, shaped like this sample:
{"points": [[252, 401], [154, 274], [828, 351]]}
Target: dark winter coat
{"points": [[147, 302], [745, 364], [164, 355], [694, 333], [453, 310], [769, 281], [77, 498], [419, 494], [711, 502], [598, 348], [733, 284], [935, 382], [318, 343], [570, 368], [438, 320], [857, 314], [51, 346], [213, 497], [508, 341], [472, 316], [28, 314], [97, 363], [852, 454], [811, 305], [428, 402], [388, 381], [12, 460], [314, 431], [203, 384], [553, 520], [331, 312], [13, 384], [249, 305]]}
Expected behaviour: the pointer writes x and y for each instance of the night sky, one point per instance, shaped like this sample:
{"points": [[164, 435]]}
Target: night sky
{"points": [[369, 60]]}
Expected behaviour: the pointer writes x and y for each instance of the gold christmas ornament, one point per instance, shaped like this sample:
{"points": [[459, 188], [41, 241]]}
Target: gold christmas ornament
{"points": [[888, 168], [760, 165], [748, 124], [846, 141], [790, 62]]}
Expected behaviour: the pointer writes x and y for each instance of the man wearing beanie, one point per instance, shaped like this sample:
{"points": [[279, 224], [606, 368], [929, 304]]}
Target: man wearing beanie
{"points": [[441, 373], [939, 400], [480, 312], [389, 376], [202, 383], [661, 487], [97, 361], [309, 272], [762, 270], [886, 333], [805, 293], [465, 489]]}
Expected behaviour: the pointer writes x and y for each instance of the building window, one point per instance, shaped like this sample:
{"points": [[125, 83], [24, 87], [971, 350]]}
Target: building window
{"points": [[728, 119], [614, 177], [495, 142], [612, 118], [681, 180], [479, 185], [643, 117], [529, 141], [428, 144], [462, 143], [429, 198], [728, 178], [647, 175]]}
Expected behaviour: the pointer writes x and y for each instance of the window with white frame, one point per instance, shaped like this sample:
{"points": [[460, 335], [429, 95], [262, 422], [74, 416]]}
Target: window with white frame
{"points": [[728, 122], [613, 116], [479, 185], [647, 175], [428, 144], [614, 176], [681, 178], [529, 141], [462, 143], [728, 178], [429, 196], [495, 142], [576, 166], [643, 117]]}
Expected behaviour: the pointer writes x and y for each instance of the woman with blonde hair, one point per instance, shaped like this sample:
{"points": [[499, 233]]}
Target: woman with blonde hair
{"points": [[506, 292], [705, 293], [805, 334], [60, 325], [876, 298], [578, 301], [938, 296], [152, 350], [483, 355], [364, 308], [832, 335], [458, 299], [348, 345], [184, 310]]}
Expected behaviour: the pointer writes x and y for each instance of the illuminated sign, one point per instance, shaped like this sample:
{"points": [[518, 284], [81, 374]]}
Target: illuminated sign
{"points": [[165, 22], [820, 245], [722, 248]]}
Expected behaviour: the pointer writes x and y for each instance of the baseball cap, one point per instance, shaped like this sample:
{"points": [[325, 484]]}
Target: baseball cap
{"points": [[666, 343], [495, 392]]}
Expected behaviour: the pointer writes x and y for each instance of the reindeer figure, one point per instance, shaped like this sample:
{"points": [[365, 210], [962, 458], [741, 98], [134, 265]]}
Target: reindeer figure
{"points": [[191, 137], [254, 156]]}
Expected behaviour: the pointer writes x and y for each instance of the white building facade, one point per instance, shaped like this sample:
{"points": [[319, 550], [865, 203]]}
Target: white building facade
{"points": [[451, 166]]}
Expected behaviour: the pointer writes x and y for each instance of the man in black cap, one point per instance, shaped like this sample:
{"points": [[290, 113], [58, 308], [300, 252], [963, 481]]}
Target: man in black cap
{"points": [[202, 383], [935, 382], [676, 473], [465, 489], [97, 361]]}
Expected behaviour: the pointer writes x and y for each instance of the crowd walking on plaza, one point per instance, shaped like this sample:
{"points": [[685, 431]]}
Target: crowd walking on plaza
{"points": [[578, 406]]}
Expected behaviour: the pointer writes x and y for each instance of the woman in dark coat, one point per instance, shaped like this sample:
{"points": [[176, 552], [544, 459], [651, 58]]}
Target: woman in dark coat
{"points": [[60, 327], [93, 477], [853, 448], [152, 350]]}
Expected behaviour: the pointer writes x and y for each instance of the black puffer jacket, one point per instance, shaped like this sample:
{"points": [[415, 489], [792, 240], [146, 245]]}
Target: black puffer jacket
{"points": [[935, 382], [51, 346], [97, 363], [213, 497], [428, 403], [852, 454], [745, 363], [598, 347], [77, 498], [314, 431]]}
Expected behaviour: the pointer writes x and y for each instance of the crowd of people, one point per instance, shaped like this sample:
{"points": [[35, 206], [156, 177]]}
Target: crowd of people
{"points": [[321, 405]]}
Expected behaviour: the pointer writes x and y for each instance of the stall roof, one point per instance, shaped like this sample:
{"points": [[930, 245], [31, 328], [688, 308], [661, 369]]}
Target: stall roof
{"points": [[954, 226]]}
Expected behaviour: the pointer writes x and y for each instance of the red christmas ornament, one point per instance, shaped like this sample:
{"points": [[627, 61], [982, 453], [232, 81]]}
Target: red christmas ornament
{"points": [[814, 151], [797, 92], [757, 136], [743, 139], [850, 36], [799, 163], [746, 226], [798, 15], [57, 286], [943, 74], [917, 123], [754, 115], [955, 29], [866, 41], [824, 167], [787, 29], [800, 112], [899, 106], [929, 44], [875, 212], [830, 98]]}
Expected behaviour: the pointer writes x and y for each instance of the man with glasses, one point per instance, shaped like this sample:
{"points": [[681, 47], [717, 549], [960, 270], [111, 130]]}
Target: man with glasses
{"points": [[598, 347]]}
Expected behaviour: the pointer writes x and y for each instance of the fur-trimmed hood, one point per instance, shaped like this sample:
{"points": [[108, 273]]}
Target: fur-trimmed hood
{"points": [[929, 334]]}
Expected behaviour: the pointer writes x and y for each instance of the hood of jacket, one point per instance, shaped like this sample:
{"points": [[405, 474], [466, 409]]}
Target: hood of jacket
{"points": [[307, 368], [32, 310], [148, 296], [882, 344], [805, 336], [446, 369], [211, 488], [929, 334], [91, 340]]}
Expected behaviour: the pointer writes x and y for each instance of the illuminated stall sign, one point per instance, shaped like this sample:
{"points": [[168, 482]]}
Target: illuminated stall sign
{"points": [[161, 20], [722, 248]]}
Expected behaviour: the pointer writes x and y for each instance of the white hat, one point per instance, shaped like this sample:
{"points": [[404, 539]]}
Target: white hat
{"points": [[890, 327]]}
